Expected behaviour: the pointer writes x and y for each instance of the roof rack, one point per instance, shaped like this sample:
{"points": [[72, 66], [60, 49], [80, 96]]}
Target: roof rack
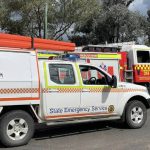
{"points": [[121, 44], [24, 42]]}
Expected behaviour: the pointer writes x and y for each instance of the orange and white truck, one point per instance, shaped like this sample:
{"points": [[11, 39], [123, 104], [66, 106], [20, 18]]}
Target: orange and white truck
{"points": [[134, 62], [46, 91]]}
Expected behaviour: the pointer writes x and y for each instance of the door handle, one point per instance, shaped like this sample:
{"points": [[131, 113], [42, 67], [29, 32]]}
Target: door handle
{"points": [[53, 90], [85, 90]]}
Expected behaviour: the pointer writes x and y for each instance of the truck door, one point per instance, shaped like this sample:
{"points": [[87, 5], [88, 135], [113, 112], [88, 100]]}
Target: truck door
{"points": [[96, 94], [61, 93]]}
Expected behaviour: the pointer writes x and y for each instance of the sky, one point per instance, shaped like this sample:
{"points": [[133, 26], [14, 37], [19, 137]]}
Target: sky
{"points": [[140, 5]]}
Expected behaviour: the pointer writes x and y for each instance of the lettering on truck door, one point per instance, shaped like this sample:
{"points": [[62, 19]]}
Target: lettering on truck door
{"points": [[96, 94], [62, 91]]}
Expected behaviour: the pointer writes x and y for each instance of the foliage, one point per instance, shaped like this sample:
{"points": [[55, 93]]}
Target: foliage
{"points": [[26, 17], [115, 23], [109, 3], [148, 27], [82, 21]]}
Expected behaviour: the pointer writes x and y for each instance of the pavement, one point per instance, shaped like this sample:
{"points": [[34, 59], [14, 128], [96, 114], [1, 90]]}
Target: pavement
{"points": [[89, 136]]}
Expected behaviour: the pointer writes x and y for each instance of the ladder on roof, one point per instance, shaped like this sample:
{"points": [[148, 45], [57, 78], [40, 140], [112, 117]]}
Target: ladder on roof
{"points": [[121, 44], [23, 42]]}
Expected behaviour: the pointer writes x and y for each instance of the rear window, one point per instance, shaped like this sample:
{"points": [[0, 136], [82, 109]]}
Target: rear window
{"points": [[61, 74], [143, 56]]}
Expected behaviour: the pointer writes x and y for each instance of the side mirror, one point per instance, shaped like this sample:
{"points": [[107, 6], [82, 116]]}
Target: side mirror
{"points": [[114, 82]]}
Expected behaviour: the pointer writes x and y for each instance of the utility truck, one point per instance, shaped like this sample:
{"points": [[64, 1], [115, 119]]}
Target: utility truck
{"points": [[59, 91], [134, 62]]}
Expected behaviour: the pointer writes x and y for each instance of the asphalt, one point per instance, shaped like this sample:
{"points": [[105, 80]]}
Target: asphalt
{"points": [[89, 136]]}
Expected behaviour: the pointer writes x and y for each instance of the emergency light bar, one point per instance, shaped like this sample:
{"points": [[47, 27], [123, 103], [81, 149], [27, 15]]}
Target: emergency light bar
{"points": [[67, 57]]}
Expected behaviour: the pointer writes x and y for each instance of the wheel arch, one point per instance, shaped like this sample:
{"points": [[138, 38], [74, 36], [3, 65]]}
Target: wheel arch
{"points": [[138, 98], [141, 99], [26, 108]]}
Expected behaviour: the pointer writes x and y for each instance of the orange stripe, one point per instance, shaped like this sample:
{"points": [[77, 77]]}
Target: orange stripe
{"points": [[20, 99], [94, 90], [18, 90], [76, 115]]}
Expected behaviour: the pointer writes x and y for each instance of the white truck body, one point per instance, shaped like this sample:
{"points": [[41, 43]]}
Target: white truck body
{"points": [[18, 78], [58, 90]]}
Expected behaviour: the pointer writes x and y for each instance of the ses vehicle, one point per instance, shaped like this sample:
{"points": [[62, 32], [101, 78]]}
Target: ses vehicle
{"points": [[46, 91]]}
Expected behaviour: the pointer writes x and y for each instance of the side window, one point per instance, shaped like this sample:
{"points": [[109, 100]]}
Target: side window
{"points": [[143, 56], [92, 76], [61, 74]]}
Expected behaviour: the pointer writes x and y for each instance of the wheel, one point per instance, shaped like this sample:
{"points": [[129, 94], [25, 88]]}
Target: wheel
{"points": [[16, 128], [135, 114]]}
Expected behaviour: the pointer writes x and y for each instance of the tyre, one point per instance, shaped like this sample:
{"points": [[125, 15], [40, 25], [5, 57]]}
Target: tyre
{"points": [[16, 128], [135, 114]]}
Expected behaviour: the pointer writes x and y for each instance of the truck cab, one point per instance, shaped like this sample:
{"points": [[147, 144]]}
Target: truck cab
{"points": [[74, 90], [80, 91]]}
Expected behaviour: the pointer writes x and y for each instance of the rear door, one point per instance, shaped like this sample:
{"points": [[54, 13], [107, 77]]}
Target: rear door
{"points": [[62, 91], [15, 76]]}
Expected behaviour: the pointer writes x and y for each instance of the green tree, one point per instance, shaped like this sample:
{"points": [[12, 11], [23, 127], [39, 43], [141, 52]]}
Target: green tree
{"points": [[120, 25], [26, 17], [115, 23], [148, 27], [109, 3]]}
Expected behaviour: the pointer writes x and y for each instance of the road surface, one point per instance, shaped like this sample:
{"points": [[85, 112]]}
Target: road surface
{"points": [[89, 136]]}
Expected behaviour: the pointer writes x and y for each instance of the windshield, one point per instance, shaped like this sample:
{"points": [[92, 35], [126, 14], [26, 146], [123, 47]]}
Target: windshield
{"points": [[143, 56]]}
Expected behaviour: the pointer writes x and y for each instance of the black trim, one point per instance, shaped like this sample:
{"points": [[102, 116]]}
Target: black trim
{"points": [[148, 100]]}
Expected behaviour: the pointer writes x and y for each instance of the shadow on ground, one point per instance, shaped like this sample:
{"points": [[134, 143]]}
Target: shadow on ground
{"points": [[47, 132]]}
